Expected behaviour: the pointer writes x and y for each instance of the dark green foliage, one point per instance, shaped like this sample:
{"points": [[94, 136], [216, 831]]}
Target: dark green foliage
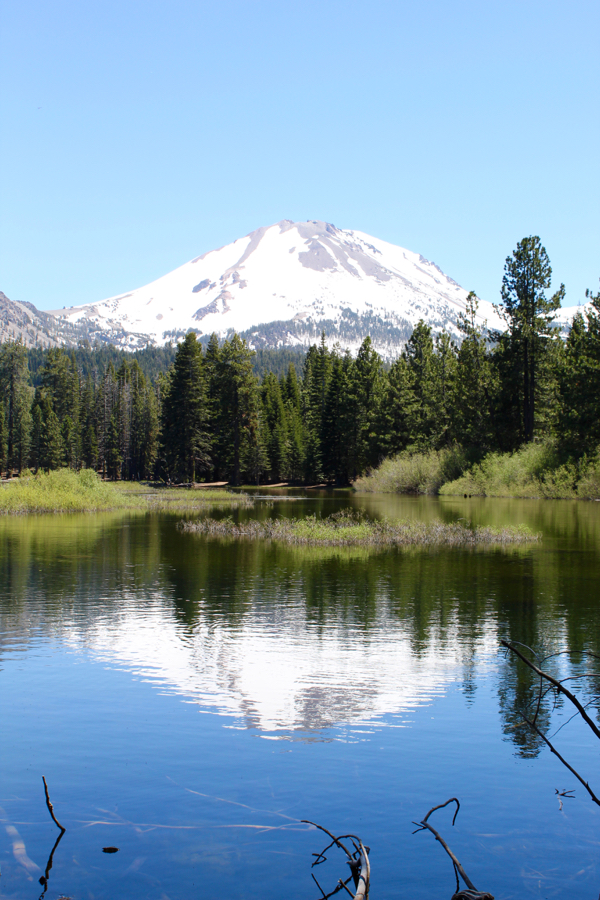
{"points": [[525, 349], [17, 395], [185, 443], [238, 430], [579, 411], [185, 415], [477, 387], [3, 441]]}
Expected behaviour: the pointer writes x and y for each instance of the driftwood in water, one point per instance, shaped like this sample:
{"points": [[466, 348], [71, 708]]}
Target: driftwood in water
{"points": [[360, 867], [51, 808], [471, 892], [44, 878]]}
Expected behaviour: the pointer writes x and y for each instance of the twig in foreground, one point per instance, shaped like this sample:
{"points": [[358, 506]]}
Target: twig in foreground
{"points": [[51, 808], [471, 893]]}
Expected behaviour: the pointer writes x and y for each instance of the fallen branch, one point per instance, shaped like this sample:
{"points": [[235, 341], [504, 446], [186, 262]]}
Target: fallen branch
{"points": [[559, 687], [471, 893], [51, 808], [556, 684], [358, 861]]}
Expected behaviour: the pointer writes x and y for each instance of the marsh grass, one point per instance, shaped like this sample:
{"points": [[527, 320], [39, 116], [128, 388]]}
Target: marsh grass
{"points": [[184, 498], [64, 490], [348, 528], [414, 473]]}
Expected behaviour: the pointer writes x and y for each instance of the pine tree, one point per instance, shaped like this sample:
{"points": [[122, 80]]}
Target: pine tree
{"points": [[112, 450], [3, 441], [237, 418], [397, 411], [369, 386], [276, 427], [18, 395], [579, 416], [475, 413], [296, 430], [419, 355], [184, 430], [339, 418], [529, 316], [445, 389]]}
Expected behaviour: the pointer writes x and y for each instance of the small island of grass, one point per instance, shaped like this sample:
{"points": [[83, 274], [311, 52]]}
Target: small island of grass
{"points": [[354, 529]]}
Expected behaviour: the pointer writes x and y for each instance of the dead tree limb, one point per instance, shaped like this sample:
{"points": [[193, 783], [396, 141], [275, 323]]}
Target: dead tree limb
{"points": [[51, 808], [471, 893], [510, 645], [360, 867], [559, 687]]}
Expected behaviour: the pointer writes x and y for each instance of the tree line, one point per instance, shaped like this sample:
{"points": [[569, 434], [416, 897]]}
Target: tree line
{"points": [[209, 416]]}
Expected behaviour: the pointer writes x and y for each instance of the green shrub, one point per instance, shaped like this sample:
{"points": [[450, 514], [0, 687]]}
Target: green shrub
{"points": [[589, 483], [414, 473], [533, 471]]}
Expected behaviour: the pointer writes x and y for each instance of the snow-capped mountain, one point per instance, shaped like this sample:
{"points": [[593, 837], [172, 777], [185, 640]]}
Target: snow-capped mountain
{"points": [[282, 285]]}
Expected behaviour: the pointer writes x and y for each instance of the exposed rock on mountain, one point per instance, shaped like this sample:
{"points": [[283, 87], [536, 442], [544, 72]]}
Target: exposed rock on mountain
{"points": [[282, 285]]}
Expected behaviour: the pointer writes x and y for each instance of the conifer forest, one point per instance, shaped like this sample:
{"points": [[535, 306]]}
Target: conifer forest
{"points": [[194, 413]]}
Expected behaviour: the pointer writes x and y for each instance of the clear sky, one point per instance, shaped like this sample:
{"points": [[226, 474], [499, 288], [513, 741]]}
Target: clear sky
{"points": [[137, 134]]}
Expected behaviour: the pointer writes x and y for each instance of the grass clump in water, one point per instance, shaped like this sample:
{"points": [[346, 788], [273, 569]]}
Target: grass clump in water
{"points": [[347, 528], [414, 473], [192, 498]]}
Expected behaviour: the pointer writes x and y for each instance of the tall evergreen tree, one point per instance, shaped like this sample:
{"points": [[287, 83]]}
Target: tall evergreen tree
{"points": [[275, 427], [238, 420], [184, 431], [397, 411], [476, 398], [529, 316], [579, 417], [18, 395], [3, 440], [419, 354]]}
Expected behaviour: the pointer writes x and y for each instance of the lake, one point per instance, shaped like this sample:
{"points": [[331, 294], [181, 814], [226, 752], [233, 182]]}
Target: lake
{"points": [[190, 700]]}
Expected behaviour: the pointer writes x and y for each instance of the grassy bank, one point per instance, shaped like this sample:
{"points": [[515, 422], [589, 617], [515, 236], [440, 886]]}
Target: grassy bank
{"points": [[64, 490], [534, 471], [351, 529], [414, 473]]}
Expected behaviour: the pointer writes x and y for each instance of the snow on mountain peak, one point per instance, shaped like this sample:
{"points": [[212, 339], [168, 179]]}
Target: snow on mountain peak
{"points": [[282, 285]]}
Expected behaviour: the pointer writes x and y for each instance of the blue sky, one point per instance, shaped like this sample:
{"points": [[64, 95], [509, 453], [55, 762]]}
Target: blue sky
{"points": [[137, 135]]}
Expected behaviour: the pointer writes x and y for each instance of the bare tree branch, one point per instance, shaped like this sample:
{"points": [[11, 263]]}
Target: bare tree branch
{"points": [[50, 807], [510, 645], [472, 893]]}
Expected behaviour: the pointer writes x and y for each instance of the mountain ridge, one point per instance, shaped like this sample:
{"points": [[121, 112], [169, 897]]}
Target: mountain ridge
{"points": [[281, 285]]}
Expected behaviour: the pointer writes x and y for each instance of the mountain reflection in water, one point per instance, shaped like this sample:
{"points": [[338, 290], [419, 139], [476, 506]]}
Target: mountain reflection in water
{"points": [[293, 639], [379, 669]]}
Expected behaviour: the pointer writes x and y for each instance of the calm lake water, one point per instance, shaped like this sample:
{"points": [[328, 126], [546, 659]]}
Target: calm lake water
{"points": [[191, 700]]}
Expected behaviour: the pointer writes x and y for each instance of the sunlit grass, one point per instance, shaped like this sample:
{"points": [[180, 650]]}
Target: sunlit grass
{"points": [[534, 471], [352, 529], [64, 490], [60, 491], [414, 473]]}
